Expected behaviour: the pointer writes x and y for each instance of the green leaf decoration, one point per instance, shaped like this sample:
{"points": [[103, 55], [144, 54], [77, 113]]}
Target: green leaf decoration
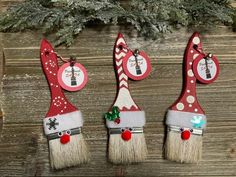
{"points": [[111, 116]]}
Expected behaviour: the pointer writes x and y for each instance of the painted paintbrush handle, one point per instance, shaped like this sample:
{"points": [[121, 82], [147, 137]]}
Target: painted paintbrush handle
{"points": [[123, 100], [186, 112], [188, 102], [59, 103]]}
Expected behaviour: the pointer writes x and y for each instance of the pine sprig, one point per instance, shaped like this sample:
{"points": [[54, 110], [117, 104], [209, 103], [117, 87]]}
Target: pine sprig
{"points": [[151, 18]]}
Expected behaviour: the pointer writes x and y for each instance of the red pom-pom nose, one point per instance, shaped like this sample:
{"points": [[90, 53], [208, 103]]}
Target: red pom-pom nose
{"points": [[185, 135], [126, 135], [65, 139]]}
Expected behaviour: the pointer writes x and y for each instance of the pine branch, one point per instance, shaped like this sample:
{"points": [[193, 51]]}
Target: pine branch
{"points": [[151, 18]]}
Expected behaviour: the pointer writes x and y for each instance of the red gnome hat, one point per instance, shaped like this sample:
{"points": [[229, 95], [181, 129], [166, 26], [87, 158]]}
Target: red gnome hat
{"points": [[62, 116]]}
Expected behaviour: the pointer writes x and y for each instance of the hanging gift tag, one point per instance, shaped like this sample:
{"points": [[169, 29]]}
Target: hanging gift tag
{"points": [[206, 69], [136, 65], [72, 76]]}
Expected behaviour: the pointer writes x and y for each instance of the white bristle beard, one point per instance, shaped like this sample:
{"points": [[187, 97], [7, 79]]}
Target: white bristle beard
{"points": [[184, 151], [73, 153], [123, 152]]}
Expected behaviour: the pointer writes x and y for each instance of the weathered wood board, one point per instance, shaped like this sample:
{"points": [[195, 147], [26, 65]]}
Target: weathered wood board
{"points": [[25, 99]]}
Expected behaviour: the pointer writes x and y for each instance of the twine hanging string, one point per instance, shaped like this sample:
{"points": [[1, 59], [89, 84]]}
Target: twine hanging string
{"points": [[207, 58], [72, 59], [135, 53]]}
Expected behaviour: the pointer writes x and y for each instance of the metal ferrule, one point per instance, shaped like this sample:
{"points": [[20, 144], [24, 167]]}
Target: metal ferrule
{"points": [[120, 130], [194, 131], [74, 131]]}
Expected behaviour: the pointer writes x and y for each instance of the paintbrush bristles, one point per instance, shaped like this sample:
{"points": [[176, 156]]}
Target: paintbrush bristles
{"points": [[184, 151], [123, 152], [71, 154]]}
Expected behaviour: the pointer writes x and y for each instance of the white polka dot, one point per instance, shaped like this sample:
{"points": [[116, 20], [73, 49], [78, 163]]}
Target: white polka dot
{"points": [[180, 106], [192, 81], [59, 97], [61, 110], [196, 40], [54, 74], [190, 63], [190, 105], [195, 110], [188, 91], [51, 84], [190, 99], [50, 71], [65, 102], [195, 56], [191, 51], [190, 73]]}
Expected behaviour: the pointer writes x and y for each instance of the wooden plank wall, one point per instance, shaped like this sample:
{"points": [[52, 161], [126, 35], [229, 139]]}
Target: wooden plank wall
{"points": [[25, 99]]}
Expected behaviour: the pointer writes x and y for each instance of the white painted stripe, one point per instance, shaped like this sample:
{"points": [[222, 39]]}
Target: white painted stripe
{"points": [[120, 55], [120, 40], [118, 63], [117, 49], [119, 70], [123, 76], [123, 83]]}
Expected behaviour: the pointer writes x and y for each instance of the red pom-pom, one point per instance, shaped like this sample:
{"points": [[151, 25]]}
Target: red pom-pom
{"points": [[185, 135], [126, 135], [117, 121], [65, 139]]}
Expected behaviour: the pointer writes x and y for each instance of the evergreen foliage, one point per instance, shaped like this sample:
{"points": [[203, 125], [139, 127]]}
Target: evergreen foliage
{"points": [[151, 18]]}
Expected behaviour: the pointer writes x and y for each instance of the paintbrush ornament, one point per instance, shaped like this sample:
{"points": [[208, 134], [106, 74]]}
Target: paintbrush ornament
{"points": [[186, 120], [125, 120], [63, 122]]}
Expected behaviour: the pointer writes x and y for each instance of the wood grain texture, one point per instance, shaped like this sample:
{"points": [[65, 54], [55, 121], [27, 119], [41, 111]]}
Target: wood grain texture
{"points": [[25, 99]]}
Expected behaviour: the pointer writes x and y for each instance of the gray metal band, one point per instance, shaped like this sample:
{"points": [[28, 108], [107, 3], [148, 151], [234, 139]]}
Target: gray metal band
{"points": [[119, 130], [74, 131], [177, 129]]}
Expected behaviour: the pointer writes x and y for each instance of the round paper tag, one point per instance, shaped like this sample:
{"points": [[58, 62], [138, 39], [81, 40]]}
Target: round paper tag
{"points": [[136, 68], [72, 78], [206, 70]]}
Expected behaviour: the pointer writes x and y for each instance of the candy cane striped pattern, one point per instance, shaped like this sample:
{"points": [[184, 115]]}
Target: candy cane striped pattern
{"points": [[124, 100]]}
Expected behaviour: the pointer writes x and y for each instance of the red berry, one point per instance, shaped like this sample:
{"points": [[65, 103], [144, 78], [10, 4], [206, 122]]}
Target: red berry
{"points": [[185, 135], [126, 135], [65, 139], [117, 121]]}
